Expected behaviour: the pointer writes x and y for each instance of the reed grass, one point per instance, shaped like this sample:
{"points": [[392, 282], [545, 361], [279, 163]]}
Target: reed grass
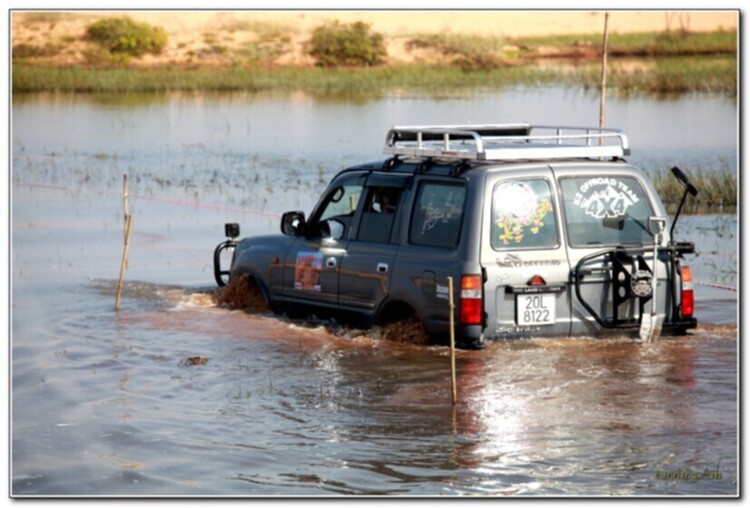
{"points": [[717, 191], [416, 78], [664, 76], [665, 43]]}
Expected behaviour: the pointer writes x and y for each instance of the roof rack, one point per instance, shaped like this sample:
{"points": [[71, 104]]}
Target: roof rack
{"points": [[506, 142]]}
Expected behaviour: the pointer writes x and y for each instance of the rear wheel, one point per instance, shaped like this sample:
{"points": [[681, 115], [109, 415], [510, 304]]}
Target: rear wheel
{"points": [[407, 331]]}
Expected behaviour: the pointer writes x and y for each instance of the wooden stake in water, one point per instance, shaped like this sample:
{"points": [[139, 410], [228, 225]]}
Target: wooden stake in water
{"points": [[126, 209], [123, 265], [125, 201], [453, 340]]}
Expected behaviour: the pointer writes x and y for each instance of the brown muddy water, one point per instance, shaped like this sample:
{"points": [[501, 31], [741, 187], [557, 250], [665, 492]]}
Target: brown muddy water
{"points": [[176, 396]]}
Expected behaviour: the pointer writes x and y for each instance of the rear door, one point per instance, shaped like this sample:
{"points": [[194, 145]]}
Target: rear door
{"points": [[607, 209], [524, 256]]}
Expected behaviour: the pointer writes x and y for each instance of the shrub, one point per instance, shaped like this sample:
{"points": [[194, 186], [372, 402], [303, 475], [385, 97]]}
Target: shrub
{"points": [[103, 58], [335, 44], [125, 36]]}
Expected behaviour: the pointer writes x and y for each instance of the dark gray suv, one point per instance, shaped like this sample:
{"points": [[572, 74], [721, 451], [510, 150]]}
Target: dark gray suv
{"points": [[547, 231]]}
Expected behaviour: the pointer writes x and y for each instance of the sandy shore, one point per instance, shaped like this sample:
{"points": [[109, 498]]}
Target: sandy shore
{"points": [[207, 37]]}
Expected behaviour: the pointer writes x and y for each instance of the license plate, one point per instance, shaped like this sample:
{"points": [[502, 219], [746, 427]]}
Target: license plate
{"points": [[535, 309]]}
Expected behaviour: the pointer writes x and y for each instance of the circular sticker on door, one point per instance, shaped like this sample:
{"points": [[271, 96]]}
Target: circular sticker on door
{"points": [[515, 200]]}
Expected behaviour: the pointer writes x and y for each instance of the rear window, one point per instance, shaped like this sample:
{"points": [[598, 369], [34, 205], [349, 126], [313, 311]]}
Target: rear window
{"points": [[523, 216], [605, 211], [438, 214]]}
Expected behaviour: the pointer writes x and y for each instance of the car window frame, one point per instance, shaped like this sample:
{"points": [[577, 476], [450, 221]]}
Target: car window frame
{"points": [[564, 213], [395, 223], [323, 203], [420, 184]]}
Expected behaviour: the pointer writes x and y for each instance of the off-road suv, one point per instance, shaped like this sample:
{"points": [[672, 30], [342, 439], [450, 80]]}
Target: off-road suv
{"points": [[547, 231]]}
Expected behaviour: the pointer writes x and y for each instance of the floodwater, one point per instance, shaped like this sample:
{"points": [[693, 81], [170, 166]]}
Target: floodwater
{"points": [[175, 396]]}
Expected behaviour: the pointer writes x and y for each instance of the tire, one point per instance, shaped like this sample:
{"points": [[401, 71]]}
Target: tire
{"points": [[243, 293], [406, 331]]}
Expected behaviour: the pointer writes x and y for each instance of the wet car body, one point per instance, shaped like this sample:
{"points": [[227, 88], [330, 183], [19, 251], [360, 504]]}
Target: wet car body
{"points": [[545, 231]]}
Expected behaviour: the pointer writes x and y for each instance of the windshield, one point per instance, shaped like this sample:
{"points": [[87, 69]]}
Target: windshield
{"points": [[611, 210]]}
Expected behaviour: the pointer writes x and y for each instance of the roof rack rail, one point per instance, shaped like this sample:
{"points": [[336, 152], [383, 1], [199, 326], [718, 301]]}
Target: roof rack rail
{"points": [[506, 142]]}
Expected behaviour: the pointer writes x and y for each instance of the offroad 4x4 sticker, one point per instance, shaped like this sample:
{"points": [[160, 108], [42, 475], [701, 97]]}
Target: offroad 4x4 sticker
{"points": [[605, 198], [307, 270]]}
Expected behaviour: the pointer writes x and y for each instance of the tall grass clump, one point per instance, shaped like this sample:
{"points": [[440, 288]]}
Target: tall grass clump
{"points": [[665, 76], [122, 35], [717, 191], [349, 45]]}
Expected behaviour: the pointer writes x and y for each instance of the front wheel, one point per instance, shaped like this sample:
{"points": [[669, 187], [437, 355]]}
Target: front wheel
{"points": [[243, 293]]}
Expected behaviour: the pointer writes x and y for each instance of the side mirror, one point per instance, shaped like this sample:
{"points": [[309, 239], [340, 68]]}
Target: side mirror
{"points": [[293, 223], [683, 179]]}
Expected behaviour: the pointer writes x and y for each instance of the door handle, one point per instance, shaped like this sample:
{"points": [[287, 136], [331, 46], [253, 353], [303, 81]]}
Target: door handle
{"points": [[382, 267], [331, 262]]}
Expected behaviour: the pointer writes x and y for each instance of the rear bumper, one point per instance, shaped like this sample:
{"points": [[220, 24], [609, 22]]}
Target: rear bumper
{"points": [[679, 327]]}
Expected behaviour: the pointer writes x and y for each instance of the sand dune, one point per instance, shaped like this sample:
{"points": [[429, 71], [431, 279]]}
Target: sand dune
{"points": [[211, 37]]}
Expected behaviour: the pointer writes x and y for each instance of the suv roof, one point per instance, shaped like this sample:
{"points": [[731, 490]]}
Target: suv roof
{"points": [[506, 142]]}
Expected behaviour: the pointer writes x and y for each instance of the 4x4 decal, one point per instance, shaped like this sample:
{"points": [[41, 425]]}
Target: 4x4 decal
{"points": [[605, 198]]}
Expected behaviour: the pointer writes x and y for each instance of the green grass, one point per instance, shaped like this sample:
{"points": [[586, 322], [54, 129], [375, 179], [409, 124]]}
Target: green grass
{"points": [[416, 78], [642, 44], [717, 191], [666, 76]]}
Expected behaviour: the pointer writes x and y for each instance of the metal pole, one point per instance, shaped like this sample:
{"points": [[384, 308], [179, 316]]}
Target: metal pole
{"points": [[603, 92], [453, 341]]}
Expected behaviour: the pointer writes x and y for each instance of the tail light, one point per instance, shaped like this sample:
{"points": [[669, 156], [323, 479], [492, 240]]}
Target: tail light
{"points": [[688, 299], [471, 306]]}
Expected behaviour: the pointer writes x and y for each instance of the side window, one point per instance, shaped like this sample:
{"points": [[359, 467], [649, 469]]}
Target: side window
{"points": [[336, 214], [379, 214], [438, 214], [605, 211], [523, 216]]}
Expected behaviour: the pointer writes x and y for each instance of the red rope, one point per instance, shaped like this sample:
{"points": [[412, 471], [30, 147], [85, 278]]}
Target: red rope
{"points": [[170, 201], [717, 286], [206, 206]]}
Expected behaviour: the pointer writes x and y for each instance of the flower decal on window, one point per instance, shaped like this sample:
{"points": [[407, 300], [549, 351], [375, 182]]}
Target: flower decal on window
{"points": [[519, 211]]}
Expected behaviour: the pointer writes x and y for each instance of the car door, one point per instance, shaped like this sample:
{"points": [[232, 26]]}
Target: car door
{"points": [[365, 276], [606, 214], [524, 257], [313, 263]]}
